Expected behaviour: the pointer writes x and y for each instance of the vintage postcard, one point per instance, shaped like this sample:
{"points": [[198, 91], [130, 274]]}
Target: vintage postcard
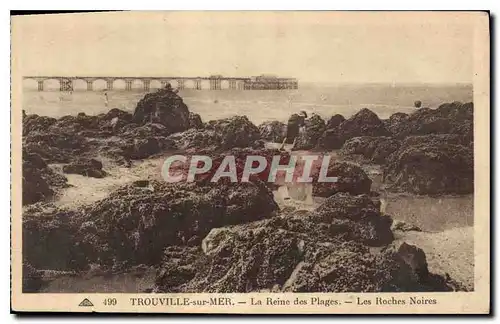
{"points": [[251, 162]]}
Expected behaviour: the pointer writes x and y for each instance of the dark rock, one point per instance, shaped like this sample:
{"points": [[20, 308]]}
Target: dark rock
{"points": [[331, 139], [86, 167], [35, 187], [75, 124], [195, 121], [163, 107], [235, 131], [141, 148], [431, 167], [51, 240], [144, 131], [363, 123], [362, 147], [450, 118], [436, 139], [413, 257], [114, 121], [359, 216], [116, 134], [350, 178], [369, 149], [404, 227], [219, 135], [118, 113], [59, 140], [335, 121], [457, 111], [294, 253], [240, 157], [39, 181], [55, 147], [258, 144], [384, 150], [308, 138], [273, 131], [32, 278], [116, 124], [178, 267], [137, 223]]}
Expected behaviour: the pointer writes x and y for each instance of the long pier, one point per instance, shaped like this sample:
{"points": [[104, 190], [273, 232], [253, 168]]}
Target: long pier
{"points": [[67, 83]]}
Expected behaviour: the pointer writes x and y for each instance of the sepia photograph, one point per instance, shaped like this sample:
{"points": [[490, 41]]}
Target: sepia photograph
{"points": [[251, 162]]}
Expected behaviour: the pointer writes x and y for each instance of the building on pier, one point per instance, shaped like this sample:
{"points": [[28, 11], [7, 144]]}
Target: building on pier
{"points": [[262, 82], [270, 82]]}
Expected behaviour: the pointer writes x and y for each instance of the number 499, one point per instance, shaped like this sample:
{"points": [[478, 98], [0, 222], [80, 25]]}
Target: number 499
{"points": [[110, 301]]}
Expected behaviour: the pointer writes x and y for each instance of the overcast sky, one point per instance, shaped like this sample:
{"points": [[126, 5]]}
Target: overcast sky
{"points": [[316, 47]]}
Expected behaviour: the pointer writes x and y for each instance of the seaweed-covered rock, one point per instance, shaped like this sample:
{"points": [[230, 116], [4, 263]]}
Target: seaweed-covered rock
{"points": [[32, 278], [195, 121], [431, 167], [76, 124], [179, 267], [144, 131], [384, 150], [39, 181], [163, 107], [296, 252], [196, 140], [350, 178], [141, 148], [35, 123], [235, 131], [112, 122], [331, 139], [218, 135], [51, 240], [86, 167], [369, 149], [35, 186], [101, 125], [137, 222], [273, 131], [363, 123], [457, 111], [401, 226], [436, 139], [240, 157], [449, 118], [360, 215], [335, 121], [117, 113], [313, 129]]}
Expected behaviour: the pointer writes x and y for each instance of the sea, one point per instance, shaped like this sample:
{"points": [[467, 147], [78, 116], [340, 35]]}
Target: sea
{"points": [[259, 105]]}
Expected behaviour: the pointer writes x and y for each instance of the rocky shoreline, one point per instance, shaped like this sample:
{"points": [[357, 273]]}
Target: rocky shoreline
{"points": [[234, 237]]}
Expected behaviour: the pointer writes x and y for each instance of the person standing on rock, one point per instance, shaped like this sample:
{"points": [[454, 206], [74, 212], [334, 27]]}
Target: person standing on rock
{"points": [[295, 122]]}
